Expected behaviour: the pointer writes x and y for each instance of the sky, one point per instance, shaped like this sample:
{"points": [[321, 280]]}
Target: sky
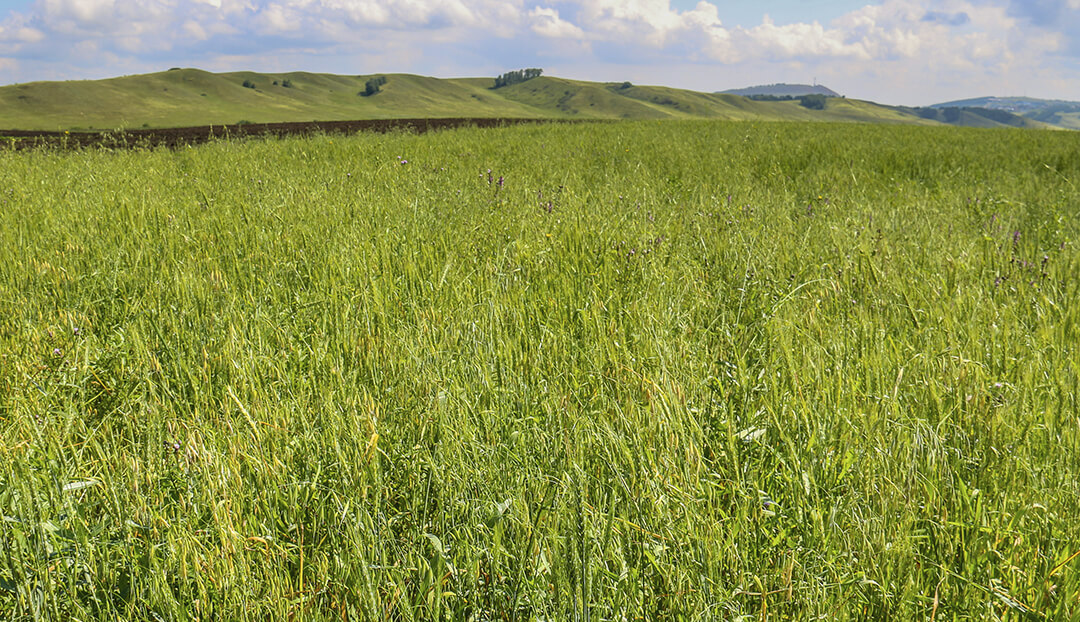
{"points": [[913, 52]]}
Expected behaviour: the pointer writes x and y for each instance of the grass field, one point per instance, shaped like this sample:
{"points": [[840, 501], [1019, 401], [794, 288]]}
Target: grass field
{"points": [[689, 370]]}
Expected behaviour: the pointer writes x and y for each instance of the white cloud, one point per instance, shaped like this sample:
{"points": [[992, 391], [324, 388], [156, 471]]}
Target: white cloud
{"points": [[649, 22], [547, 23], [799, 40], [195, 30]]}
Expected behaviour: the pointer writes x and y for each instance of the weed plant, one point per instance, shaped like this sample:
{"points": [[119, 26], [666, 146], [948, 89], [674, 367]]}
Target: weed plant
{"points": [[679, 370]]}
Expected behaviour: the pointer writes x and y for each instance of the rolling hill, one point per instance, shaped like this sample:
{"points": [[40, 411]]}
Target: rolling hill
{"points": [[973, 116], [192, 97], [1055, 112]]}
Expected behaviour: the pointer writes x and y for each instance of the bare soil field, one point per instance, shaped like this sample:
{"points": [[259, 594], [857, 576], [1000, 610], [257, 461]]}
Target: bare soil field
{"points": [[180, 136]]}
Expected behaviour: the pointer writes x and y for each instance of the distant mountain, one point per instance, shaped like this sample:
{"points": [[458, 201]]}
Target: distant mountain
{"points": [[783, 90], [1050, 111]]}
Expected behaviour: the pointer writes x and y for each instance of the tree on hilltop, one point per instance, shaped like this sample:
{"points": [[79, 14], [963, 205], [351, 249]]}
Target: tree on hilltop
{"points": [[514, 77]]}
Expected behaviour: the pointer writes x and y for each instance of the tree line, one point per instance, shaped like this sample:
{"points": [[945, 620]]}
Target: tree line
{"points": [[514, 77]]}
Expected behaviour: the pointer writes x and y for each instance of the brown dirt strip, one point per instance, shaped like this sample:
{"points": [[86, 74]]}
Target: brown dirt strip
{"points": [[182, 136]]}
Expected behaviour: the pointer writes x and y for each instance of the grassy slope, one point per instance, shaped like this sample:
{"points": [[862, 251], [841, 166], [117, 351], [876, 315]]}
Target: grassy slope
{"points": [[574, 98], [187, 97], [974, 119], [193, 97], [1068, 120]]}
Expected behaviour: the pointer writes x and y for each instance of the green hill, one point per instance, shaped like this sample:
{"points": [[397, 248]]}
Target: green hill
{"points": [[191, 97], [976, 116], [186, 97], [1056, 112]]}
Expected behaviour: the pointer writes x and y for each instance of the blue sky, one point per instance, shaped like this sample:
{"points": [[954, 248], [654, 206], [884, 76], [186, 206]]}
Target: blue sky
{"points": [[892, 51], [744, 13]]}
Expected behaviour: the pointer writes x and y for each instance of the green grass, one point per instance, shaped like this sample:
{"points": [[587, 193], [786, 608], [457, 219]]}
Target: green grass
{"points": [[684, 370], [190, 97], [1069, 120]]}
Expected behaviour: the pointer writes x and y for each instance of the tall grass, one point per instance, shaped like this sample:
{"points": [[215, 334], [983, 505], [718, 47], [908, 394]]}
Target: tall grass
{"points": [[687, 370]]}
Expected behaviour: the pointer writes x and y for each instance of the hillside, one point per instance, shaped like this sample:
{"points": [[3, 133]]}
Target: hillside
{"points": [[191, 97], [1060, 113], [977, 117]]}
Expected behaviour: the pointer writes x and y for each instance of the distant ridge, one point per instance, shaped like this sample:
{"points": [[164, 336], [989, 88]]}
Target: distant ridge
{"points": [[1011, 104], [976, 116], [1056, 112], [783, 90]]}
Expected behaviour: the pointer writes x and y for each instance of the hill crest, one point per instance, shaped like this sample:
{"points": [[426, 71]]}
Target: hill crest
{"points": [[783, 90]]}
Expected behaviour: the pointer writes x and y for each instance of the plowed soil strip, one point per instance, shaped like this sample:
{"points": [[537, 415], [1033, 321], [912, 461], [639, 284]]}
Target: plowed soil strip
{"points": [[181, 136]]}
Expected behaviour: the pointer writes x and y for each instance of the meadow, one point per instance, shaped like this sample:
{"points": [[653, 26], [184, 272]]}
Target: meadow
{"points": [[689, 370]]}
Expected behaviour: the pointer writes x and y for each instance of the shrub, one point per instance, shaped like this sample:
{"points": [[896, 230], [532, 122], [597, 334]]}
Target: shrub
{"points": [[287, 83], [813, 102], [373, 86], [248, 84]]}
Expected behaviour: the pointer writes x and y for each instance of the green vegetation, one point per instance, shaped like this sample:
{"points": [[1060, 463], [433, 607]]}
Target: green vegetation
{"points": [[373, 86], [813, 102], [681, 370], [190, 97], [511, 78], [1064, 114], [978, 117]]}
